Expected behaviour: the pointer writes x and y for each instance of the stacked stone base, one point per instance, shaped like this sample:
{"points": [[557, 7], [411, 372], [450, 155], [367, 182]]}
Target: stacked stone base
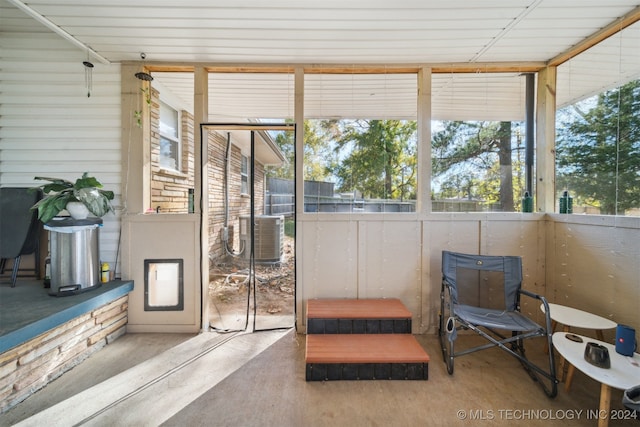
{"points": [[30, 366]]}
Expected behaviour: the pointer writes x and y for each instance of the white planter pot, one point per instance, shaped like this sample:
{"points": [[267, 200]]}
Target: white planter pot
{"points": [[77, 210]]}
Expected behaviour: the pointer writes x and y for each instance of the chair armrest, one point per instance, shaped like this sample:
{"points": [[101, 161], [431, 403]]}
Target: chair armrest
{"points": [[547, 314], [536, 296], [531, 294]]}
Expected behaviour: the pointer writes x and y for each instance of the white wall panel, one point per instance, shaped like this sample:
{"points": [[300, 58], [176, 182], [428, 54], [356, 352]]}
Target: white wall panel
{"points": [[390, 261], [48, 125], [521, 235], [594, 264], [329, 265], [157, 231], [444, 232], [392, 257]]}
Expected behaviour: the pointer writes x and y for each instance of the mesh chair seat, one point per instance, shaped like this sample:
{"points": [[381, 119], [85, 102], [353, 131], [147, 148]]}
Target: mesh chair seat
{"points": [[498, 319]]}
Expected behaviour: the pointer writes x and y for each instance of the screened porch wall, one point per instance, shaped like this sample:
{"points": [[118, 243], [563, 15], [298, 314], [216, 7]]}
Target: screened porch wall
{"points": [[577, 260]]}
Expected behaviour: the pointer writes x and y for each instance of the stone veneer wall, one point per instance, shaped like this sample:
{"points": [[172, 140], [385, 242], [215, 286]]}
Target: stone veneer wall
{"points": [[32, 365]]}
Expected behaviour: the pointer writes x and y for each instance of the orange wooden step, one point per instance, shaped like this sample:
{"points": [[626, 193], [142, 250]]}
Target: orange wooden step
{"points": [[390, 308], [365, 348], [365, 356]]}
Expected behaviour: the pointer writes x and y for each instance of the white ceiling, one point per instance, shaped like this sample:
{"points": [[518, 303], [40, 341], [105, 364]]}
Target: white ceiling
{"points": [[352, 33]]}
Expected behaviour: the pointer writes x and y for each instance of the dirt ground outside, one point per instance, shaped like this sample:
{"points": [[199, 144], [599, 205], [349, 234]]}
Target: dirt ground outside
{"points": [[274, 291]]}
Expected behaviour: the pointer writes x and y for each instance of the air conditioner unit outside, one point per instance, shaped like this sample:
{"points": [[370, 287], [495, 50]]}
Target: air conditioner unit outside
{"points": [[269, 237]]}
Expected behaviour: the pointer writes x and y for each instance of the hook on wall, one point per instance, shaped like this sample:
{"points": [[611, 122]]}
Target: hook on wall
{"points": [[142, 75]]}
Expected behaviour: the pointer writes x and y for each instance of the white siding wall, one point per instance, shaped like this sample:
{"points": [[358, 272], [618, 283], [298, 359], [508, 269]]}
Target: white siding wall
{"points": [[48, 125]]}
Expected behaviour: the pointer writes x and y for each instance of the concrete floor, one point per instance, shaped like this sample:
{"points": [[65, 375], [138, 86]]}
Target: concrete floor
{"points": [[258, 380]]}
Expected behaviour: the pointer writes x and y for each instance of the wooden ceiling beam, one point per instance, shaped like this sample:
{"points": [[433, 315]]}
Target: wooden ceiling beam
{"points": [[171, 68], [455, 68], [489, 67]]}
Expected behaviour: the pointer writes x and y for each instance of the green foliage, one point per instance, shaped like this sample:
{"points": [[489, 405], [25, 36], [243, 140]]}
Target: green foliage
{"points": [[289, 227], [375, 157], [285, 142], [598, 150], [378, 158], [58, 192], [318, 155], [474, 160], [137, 114]]}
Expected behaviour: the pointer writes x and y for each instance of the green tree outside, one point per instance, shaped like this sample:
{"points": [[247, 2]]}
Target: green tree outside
{"points": [[598, 150], [475, 161], [318, 154], [376, 158]]}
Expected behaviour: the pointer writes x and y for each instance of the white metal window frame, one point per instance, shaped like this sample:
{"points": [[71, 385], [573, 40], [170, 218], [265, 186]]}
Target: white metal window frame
{"points": [[172, 137], [244, 174]]}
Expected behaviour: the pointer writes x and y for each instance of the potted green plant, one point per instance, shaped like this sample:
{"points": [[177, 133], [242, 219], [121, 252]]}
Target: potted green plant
{"points": [[85, 193]]}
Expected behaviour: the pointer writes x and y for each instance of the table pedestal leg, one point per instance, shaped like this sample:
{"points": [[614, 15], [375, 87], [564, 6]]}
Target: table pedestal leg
{"points": [[605, 405], [565, 328]]}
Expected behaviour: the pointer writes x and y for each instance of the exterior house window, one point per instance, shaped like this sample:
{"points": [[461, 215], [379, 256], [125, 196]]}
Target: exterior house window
{"points": [[244, 175], [169, 138]]}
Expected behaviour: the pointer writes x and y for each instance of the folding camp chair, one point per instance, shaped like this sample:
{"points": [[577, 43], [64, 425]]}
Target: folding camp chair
{"points": [[482, 293]]}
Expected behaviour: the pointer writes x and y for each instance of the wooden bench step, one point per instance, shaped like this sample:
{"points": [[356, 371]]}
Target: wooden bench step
{"points": [[365, 357], [358, 316]]}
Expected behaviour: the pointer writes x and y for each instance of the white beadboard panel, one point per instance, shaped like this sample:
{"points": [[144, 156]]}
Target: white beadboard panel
{"points": [[595, 267], [48, 125], [394, 257], [146, 238], [383, 247], [521, 236], [389, 262], [443, 232], [329, 265]]}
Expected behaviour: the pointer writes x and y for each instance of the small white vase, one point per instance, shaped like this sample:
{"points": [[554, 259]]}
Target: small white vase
{"points": [[77, 210]]}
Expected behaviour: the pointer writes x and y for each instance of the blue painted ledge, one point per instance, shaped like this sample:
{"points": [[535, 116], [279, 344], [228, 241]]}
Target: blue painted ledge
{"points": [[28, 311]]}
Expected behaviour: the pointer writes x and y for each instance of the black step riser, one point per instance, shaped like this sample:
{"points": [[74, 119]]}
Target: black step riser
{"points": [[366, 371], [358, 326]]}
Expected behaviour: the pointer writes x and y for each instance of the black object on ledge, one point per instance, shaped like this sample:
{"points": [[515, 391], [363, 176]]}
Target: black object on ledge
{"points": [[597, 355]]}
